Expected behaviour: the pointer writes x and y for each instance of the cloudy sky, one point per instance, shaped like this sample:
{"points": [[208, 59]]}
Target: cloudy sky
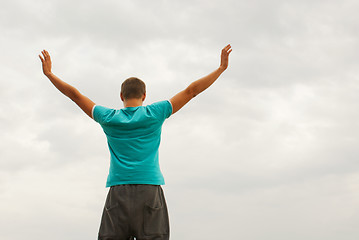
{"points": [[270, 151]]}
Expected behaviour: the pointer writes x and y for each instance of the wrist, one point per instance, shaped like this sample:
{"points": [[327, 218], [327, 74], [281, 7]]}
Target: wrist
{"points": [[48, 74], [221, 69]]}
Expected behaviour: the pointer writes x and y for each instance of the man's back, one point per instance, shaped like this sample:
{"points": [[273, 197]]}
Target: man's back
{"points": [[133, 136]]}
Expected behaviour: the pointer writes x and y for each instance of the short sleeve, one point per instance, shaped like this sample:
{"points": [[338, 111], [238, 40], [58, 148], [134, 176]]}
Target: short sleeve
{"points": [[162, 109], [100, 113]]}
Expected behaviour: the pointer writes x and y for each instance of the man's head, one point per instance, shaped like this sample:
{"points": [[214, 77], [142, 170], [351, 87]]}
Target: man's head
{"points": [[133, 88]]}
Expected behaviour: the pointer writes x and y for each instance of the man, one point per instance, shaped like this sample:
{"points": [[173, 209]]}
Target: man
{"points": [[135, 206]]}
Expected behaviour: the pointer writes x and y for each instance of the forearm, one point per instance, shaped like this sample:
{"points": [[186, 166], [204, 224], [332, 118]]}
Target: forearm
{"points": [[62, 86], [203, 83]]}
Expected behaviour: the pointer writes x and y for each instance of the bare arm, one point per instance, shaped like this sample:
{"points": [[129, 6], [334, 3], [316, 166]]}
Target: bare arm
{"points": [[196, 87], [82, 101]]}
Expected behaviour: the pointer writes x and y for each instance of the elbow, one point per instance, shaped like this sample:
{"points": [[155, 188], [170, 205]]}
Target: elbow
{"points": [[73, 94]]}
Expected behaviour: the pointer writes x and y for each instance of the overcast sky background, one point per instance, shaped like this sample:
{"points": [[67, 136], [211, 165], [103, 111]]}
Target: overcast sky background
{"points": [[270, 151]]}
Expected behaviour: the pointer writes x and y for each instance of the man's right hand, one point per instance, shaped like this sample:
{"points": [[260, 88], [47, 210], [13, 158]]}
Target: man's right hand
{"points": [[224, 57], [46, 62]]}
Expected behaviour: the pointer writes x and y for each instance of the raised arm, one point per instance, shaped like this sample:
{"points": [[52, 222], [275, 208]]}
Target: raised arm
{"points": [[196, 87], [82, 101]]}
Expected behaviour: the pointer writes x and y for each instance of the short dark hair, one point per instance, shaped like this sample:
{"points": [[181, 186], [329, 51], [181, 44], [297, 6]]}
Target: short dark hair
{"points": [[133, 88]]}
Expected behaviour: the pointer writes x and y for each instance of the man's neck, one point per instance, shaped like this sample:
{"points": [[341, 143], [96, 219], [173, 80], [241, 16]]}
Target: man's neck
{"points": [[134, 102]]}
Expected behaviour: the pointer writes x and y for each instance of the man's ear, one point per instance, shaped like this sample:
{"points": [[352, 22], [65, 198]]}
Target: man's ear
{"points": [[121, 96], [144, 97]]}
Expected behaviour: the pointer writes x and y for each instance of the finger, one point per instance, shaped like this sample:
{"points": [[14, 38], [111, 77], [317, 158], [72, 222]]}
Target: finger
{"points": [[227, 47], [228, 51], [46, 54], [42, 60], [224, 50]]}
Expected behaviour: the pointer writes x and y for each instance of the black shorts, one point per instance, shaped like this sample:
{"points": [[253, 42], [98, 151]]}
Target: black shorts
{"points": [[135, 211]]}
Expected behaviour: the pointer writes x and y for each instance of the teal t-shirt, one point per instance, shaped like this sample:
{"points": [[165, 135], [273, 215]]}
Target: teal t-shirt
{"points": [[133, 137]]}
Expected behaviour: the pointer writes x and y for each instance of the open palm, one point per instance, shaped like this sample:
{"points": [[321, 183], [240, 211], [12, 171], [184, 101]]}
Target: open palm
{"points": [[224, 56], [46, 62]]}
